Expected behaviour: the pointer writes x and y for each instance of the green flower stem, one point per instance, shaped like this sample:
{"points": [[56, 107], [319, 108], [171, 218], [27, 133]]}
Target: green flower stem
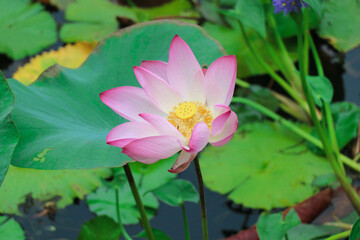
{"points": [[332, 134], [328, 116], [242, 83], [286, 59], [273, 74], [306, 41], [186, 225], [318, 64], [144, 219], [291, 126], [349, 190], [202, 199], [341, 235], [123, 231]]}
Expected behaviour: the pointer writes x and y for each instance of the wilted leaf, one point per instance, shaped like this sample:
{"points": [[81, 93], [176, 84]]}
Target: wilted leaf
{"points": [[25, 28], [70, 56], [263, 166], [45, 185]]}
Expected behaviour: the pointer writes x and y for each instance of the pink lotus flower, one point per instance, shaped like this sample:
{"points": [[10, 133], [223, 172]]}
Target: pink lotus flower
{"points": [[181, 107]]}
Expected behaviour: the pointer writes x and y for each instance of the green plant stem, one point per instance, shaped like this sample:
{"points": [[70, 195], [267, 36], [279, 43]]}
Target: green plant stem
{"points": [[339, 235], [286, 59], [328, 116], [273, 74], [291, 126], [332, 135], [202, 199], [242, 83], [186, 225], [306, 41], [144, 219], [123, 231], [318, 64], [349, 190]]}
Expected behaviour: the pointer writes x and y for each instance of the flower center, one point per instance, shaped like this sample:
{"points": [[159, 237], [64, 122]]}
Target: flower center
{"points": [[187, 114], [186, 110]]}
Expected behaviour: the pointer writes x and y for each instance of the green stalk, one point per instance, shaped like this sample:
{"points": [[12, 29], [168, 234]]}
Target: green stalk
{"points": [[144, 219], [186, 225], [349, 190], [272, 73], [341, 235], [332, 134], [126, 235], [291, 126], [202, 199], [318, 64], [306, 41], [286, 59]]}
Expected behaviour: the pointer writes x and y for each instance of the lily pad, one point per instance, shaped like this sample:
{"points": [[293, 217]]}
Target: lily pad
{"points": [[11, 229], [62, 122], [45, 185], [100, 228], [25, 28], [91, 20], [147, 178], [340, 23], [8, 133], [158, 234], [263, 166]]}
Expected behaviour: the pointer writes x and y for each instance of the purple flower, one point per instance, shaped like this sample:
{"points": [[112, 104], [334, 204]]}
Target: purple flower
{"points": [[287, 6]]}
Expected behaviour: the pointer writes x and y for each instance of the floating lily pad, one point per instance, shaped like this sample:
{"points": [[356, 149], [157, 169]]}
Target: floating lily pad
{"points": [[91, 20], [62, 122], [8, 133], [340, 23], [25, 28], [263, 166], [11, 229], [147, 178], [45, 185]]}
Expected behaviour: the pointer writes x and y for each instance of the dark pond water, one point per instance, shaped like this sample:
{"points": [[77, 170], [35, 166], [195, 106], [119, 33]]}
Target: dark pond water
{"points": [[224, 217]]}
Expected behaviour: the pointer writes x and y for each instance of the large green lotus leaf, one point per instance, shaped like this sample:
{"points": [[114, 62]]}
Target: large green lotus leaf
{"points": [[25, 28], [9, 229], [91, 20], [263, 166], [62, 122], [45, 185], [340, 23], [8, 133], [234, 43], [147, 178]]}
